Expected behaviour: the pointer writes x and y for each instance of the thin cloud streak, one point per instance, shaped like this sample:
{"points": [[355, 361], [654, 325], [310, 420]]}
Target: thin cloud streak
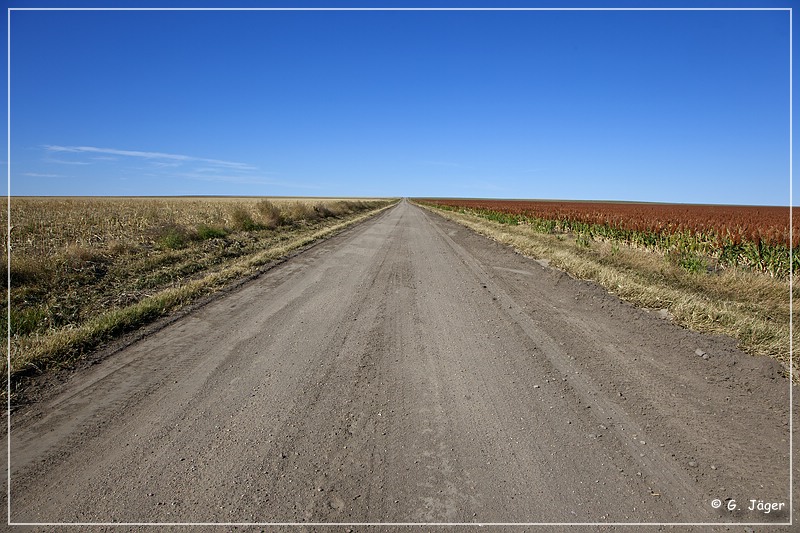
{"points": [[163, 165], [38, 175], [63, 162], [148, 155], [243, 180]]}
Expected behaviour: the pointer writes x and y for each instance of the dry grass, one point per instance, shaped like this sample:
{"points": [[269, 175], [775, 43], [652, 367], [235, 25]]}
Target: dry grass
{"points": [[46, 226], [84, 270], [751, 307]]}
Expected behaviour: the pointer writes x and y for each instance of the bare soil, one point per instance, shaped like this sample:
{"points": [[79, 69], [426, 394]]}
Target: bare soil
{"points": [[409, 370]]}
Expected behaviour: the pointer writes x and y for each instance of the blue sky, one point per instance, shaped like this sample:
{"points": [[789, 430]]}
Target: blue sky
{"points": [[671, 106]]}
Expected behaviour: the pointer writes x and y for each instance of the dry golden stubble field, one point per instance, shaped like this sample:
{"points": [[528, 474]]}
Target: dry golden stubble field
{"points": [[87, 269]]}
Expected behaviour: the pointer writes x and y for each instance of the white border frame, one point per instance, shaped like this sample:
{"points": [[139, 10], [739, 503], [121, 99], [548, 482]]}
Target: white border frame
{"points": [[395, 524]]}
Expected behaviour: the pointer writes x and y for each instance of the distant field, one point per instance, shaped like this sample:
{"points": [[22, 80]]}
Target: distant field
{"points": [[695, 236], [199, 197], [45, 226], [84, 269]]}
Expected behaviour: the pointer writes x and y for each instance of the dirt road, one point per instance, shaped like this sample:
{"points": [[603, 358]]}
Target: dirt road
{"points": [[409, 370]]}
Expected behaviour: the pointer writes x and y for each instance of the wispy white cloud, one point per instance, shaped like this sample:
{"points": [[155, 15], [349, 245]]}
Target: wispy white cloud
{"points": [[233, 165], [207, 169], [64, 162], [38, 175], [212, 170], [163, 165], [250, 180], [243, 180]]}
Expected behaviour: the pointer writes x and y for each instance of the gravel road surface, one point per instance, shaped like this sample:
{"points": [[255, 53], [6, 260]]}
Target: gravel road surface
{"points": [[409, 370]]}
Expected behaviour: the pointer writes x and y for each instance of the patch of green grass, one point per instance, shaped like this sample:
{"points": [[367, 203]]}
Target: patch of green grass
{"points": [[172, 237], [693, 263], [583, 240], [28, 320], [205, 232]]}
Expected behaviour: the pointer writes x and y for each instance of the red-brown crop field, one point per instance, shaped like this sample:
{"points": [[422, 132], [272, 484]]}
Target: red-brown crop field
{"points": [[757, 237]]}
